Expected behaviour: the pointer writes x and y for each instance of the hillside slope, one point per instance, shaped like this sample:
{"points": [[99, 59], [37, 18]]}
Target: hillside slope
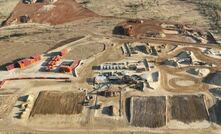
{"points": [[58, 12], [203, 13], [6, 7]]}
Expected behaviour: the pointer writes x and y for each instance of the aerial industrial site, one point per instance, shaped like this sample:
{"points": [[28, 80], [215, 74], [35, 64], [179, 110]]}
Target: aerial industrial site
{"points": [[84, 66]]}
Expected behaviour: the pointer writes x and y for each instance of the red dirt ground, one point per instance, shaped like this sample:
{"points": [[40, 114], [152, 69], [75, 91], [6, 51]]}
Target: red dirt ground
{"points": [[64, 11], [151, 26]]}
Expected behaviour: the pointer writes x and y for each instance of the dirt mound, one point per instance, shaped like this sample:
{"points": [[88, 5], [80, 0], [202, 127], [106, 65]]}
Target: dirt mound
{"points": [[148, 111], [188, 108], [53, 13], [55, 102], [138, 27], [213, 78]]}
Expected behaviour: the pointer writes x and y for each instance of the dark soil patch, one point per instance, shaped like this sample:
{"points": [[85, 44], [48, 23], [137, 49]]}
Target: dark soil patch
{"points": [[55, 102], [188, 108], [148, 111]]}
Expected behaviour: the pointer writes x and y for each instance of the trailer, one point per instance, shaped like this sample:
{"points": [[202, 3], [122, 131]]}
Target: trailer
{"points": [[69, 67]]}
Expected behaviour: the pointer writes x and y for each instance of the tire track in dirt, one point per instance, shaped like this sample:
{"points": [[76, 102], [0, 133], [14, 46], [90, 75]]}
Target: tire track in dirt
{"points": [[171, 85]]}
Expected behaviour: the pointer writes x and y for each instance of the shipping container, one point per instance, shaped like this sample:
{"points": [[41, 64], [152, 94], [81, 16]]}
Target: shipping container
{"points": [[63, 52], [71, 67], [75, 64], [32, 61], [10, 67], [53, 62], [65, 69], [24, 63], [36, 57]]}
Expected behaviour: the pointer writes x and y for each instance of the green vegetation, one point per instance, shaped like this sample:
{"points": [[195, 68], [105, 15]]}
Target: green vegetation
{"points": [[212, 10]]}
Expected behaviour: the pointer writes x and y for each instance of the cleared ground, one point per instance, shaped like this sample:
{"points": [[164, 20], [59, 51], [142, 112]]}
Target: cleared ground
{"points": [[55, 102], [188, 108], [60, 110], [30, 39], [6, 105], [148, 111], [172, 84], [85, 51]]}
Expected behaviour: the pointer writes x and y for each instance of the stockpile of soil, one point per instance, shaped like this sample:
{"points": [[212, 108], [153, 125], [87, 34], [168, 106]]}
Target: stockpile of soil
{"points": [[188, 108], [157, 111], [55, 102], [214, 111], [55, 13], [85, 51], [148, 111], [139, 28], [213, 78]]}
